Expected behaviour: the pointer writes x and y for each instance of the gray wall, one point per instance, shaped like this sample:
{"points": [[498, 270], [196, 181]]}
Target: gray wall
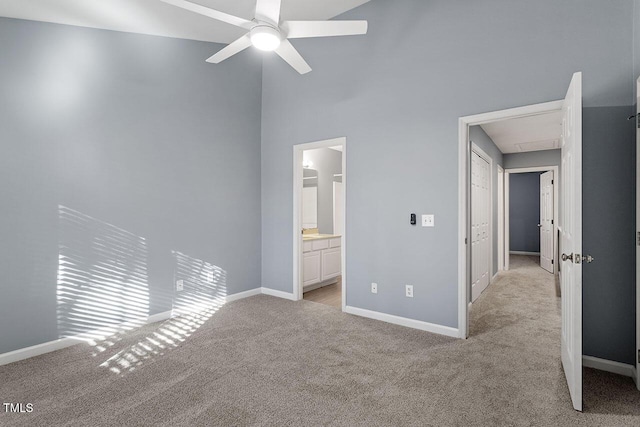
{"points": [[486, 144], [608, 221], [154, 151], [524, 212], [327, 162], [532, 159], [636, 39], [397, 94]]}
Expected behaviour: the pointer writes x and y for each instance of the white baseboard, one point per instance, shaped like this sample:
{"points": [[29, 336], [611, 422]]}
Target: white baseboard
{"points": [[524, 253], [159, 317], [47, 347], [279, 294], [242, 295], [494, 277], [609, 366], [403, 321]]}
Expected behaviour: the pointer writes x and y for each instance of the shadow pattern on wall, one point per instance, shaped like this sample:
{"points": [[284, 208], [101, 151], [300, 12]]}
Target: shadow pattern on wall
{"points": [[102, 284], [102, 292], [203, 294]]}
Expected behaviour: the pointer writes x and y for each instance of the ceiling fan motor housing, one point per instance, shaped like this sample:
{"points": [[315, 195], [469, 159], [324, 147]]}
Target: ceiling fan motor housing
{"points": [[265, 37]]}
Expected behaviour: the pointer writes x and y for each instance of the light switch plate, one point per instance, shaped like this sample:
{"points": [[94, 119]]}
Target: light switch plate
{"points": [[428, 220], [374, 288], [180, 285]]}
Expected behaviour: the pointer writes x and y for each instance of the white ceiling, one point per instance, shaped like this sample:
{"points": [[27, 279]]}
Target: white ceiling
{"points": [[533, 133], [160, 19]]}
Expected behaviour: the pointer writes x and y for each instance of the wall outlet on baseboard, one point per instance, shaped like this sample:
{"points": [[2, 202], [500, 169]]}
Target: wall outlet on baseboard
{"points": [[179, 285], [408, 291], [374, 288]]}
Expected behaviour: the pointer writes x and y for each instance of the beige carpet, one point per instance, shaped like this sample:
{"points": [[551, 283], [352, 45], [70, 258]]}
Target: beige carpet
{"points": [[267, 361]]}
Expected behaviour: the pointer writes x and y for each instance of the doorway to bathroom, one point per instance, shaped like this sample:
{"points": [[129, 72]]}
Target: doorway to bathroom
{"points": [[319, 222]]}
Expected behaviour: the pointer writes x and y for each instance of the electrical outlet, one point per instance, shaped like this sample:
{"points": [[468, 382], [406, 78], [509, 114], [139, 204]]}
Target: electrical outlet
{"points": [[374, 288], [428, 220], [180, 285], [408, 291]]}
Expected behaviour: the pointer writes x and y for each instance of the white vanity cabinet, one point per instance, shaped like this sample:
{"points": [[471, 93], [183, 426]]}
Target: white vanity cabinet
{"points": [[321, 261], [311, 267]]}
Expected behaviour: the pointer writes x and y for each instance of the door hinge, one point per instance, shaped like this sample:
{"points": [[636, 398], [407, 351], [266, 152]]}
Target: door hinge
{"points": [[638, 238], [638, 120], [638, 356], [551, 222], [551, 182], [551, 262], [465, 240]]}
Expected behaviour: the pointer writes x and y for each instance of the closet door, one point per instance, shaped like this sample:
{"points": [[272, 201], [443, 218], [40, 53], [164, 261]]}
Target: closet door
{"points": [[480, 217]]}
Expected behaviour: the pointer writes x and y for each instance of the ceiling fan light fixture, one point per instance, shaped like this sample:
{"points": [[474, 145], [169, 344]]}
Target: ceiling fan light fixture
{"points": [[265, 37]]}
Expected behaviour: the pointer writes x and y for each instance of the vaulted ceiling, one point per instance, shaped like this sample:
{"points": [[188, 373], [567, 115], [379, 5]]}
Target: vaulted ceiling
{"points": [[156, 18]]}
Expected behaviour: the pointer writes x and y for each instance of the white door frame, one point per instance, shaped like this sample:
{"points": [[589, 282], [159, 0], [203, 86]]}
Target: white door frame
{"points": [[501, 218], [297, 213], [637, 355], [484, 156], [464, 150], [556, 179]]}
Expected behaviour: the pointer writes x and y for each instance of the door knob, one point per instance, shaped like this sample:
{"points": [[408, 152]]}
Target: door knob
{"points": [[566, 257], [588, 259], [539, 225]]}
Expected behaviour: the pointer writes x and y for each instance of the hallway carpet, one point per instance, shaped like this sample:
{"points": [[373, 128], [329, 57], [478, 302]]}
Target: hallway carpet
{"points": [[268, 361]]}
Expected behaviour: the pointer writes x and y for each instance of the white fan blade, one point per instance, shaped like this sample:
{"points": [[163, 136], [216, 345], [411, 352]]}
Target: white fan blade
{"points": [[237, 46], [211, 13], [268, 10], [289, 53], [303, 29]]}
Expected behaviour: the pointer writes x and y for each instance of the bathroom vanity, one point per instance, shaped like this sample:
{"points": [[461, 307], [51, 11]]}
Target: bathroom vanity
{"points": [[321, 260]]}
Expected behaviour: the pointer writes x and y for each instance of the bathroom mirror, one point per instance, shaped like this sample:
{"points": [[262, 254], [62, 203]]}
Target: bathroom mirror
{"points": [[309, 198]]}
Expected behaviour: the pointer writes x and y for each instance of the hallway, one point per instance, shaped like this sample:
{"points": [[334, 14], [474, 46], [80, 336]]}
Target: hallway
{"points": [[524, 300], [519, 315]]}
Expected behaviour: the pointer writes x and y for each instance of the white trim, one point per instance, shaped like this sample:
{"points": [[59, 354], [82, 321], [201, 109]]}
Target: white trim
{"points": [[463, 167], [403, 321], [298, 150], [524, 253], [533, 169], [36, 350], [609, 366], [278, 294], [59, 344], [637, 354], [463, 218], [493, 279], [556, 209], [507, 223], [501, 219], [159, 317], [242, 295]]}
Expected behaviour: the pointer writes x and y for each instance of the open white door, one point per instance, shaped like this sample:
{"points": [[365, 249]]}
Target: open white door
{"points": [[546, 221], [571, 240], [638, 243], [480, 220]]}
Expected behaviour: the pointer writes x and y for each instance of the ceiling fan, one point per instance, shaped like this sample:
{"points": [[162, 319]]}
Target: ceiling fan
{"points": [[266, 31]]}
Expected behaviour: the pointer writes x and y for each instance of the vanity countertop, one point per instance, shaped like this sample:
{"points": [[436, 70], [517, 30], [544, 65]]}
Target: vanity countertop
{"points": [[307, 237]]}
